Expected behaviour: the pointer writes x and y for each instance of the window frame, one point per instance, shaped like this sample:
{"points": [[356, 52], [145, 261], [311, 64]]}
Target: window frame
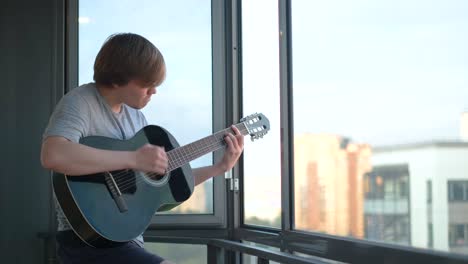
{"points": [[339, 248], [227, 221], [220, 76]]}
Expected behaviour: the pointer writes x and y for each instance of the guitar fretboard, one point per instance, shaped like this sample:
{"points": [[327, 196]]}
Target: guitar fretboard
{"points": [[184, 154]]}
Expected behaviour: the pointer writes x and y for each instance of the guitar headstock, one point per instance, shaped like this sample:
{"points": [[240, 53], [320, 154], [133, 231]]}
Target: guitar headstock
{"points": [[257, 125]]}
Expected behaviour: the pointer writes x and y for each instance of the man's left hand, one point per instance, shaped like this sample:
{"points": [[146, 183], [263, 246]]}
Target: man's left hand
{"points": [[235, 146]]}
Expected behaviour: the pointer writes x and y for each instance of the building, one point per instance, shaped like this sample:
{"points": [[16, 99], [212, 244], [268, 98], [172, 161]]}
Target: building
{"points": [[328, 175], [424, 189]]}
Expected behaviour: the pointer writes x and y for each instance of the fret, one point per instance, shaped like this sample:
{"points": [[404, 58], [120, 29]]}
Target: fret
{"points": [[184, 154]]}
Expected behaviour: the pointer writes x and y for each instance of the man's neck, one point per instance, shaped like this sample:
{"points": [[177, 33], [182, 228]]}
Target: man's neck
{"points": [[111, 97]]}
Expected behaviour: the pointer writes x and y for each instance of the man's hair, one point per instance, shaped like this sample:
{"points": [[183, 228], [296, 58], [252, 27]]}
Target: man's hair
{"points": [[125, 57]]}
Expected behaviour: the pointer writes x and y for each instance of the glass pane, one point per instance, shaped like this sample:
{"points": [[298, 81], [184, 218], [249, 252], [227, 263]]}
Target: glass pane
{"points": [[456, 191], [260, 73], [379, 99], [184, 38], [179, 253], [249, 259], [317, 258]]}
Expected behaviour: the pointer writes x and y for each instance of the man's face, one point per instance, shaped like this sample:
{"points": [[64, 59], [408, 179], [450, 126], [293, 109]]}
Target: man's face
{"points": [[136, 95]]}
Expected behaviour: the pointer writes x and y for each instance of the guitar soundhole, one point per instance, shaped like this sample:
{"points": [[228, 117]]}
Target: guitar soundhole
{"points": [[155, 176]]}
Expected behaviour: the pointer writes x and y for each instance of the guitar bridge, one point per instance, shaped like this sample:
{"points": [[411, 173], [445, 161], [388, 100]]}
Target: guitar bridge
{"points": [[115, 192]]}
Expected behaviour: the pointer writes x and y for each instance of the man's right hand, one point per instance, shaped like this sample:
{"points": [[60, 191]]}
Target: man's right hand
{"points": [[151, 158]]}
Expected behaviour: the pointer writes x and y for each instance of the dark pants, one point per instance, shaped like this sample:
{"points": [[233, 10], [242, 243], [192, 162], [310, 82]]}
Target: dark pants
{"points": [[71, 250]]}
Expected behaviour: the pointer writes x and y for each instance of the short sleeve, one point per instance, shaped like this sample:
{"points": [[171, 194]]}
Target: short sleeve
{"points": [[143, 120], [70, 118]]}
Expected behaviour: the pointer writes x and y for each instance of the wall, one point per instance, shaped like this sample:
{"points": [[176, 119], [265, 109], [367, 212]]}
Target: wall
{"points": [[31, 74]]}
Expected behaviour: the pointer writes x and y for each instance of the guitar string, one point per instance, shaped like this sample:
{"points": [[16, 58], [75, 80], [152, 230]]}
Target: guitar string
{"points": [[131, 179], [178, 159], [130, 182]]}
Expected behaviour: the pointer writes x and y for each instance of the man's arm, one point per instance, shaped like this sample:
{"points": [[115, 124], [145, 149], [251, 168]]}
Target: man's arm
{"points": [[235, 146], [64, 156], [204, 173]]}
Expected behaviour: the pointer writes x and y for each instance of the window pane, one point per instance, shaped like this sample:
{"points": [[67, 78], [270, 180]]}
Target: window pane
{"points": [[249, 259], [184, 38], [262, 169], [315, 258], [429, 191], [456, 189], [379, 94], [179, 253]]}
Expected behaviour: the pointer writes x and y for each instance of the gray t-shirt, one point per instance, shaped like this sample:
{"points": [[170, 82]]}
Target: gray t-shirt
{"points": [[84, 112]]}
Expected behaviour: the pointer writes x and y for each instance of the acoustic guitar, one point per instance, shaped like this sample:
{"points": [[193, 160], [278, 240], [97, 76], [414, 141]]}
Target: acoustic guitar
{"points": [[117, 206]]}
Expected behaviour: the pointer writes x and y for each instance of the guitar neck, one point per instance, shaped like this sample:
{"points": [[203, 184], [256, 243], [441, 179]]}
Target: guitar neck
{"points": [[184, 154]]}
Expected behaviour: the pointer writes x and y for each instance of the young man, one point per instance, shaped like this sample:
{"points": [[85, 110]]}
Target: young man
{"points": [[127, 71]]}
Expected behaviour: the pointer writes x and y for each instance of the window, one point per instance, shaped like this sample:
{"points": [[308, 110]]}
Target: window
{"points": [[388, 228], [179, 253], [260, 75], [430, 242], [364, 135], [193, 53], [366, 76], [388, 182], [458, 191], [458, 235], [429, 191], [248, 259]]}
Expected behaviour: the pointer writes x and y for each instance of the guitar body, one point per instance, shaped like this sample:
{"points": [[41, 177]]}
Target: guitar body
{"points": [[89, 201], [114, 207]]}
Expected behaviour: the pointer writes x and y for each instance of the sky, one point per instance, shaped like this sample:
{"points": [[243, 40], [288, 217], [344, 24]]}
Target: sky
{"points": [[183, 101], [379, 72]]}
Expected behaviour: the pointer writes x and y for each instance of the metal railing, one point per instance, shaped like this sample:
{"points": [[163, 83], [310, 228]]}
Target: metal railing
{"points": [[217, 248]]}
